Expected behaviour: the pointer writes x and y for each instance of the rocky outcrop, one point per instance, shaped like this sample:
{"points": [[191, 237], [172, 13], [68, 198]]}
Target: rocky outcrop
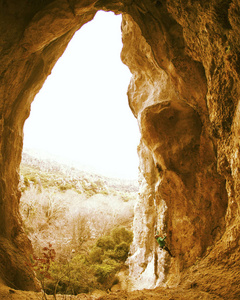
{"points": [[184, 57], [177, 120], [178, 178]]}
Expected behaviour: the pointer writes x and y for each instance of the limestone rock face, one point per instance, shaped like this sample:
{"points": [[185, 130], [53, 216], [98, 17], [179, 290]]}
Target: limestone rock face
{"points": [[177, 177], [184, 93]]}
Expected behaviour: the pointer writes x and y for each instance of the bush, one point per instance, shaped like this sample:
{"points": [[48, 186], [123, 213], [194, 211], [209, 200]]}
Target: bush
{"points": [[95, 255], [121, 251], [121, 234], [72, 277], [115, 249], [102, 271], [105, 242], [105, 272]]}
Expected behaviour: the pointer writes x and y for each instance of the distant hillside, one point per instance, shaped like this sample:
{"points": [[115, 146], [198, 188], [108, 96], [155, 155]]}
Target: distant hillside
{"points": [[50, 173], [65, 206]]}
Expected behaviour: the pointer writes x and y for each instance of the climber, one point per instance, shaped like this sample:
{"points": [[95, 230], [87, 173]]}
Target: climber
{"points": [[162, 243]]}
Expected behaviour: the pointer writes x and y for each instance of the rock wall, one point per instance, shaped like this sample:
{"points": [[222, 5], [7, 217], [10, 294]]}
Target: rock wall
{"points": [[177, 178], [33, 36], [184, 57]]}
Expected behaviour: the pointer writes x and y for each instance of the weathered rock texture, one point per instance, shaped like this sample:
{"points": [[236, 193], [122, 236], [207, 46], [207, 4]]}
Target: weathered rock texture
{"points": [[185, 59]]}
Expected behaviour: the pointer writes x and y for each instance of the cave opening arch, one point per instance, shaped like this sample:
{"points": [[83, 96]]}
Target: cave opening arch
{"points": [[100, 102], [164, 70]]}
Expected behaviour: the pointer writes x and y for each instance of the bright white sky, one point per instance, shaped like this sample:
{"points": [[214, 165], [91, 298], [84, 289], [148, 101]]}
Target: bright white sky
{"points": [[81, 114]]}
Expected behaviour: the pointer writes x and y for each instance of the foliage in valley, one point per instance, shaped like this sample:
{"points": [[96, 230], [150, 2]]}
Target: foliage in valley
{"points": [[85, 218]]}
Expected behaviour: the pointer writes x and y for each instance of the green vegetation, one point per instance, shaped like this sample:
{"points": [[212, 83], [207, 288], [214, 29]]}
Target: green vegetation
{"points": [[93, 270], [64, 208]]}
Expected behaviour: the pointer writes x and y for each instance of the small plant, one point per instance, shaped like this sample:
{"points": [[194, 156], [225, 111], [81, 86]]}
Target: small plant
{"points": [[42, 264]]}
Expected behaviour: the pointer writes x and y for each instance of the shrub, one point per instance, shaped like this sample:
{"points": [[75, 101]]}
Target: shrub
{"points": [[42, 265], [72, 277], [95, 255], [121, 234], [102, 271], [105, 242], [114, 251], [121, 251]]}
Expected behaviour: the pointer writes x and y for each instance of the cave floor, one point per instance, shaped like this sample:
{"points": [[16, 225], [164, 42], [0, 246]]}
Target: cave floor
{"points": [[158, 294]]}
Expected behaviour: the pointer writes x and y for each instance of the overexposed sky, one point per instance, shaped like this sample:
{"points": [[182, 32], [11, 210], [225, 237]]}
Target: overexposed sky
{"points": [[81, 114]]}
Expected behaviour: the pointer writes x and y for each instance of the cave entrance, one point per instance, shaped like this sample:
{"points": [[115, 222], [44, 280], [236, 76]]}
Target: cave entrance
{"points": [[81, 115]]}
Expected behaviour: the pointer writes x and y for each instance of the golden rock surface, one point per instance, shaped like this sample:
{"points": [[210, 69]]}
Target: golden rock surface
{"points": [[185, 91]]}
